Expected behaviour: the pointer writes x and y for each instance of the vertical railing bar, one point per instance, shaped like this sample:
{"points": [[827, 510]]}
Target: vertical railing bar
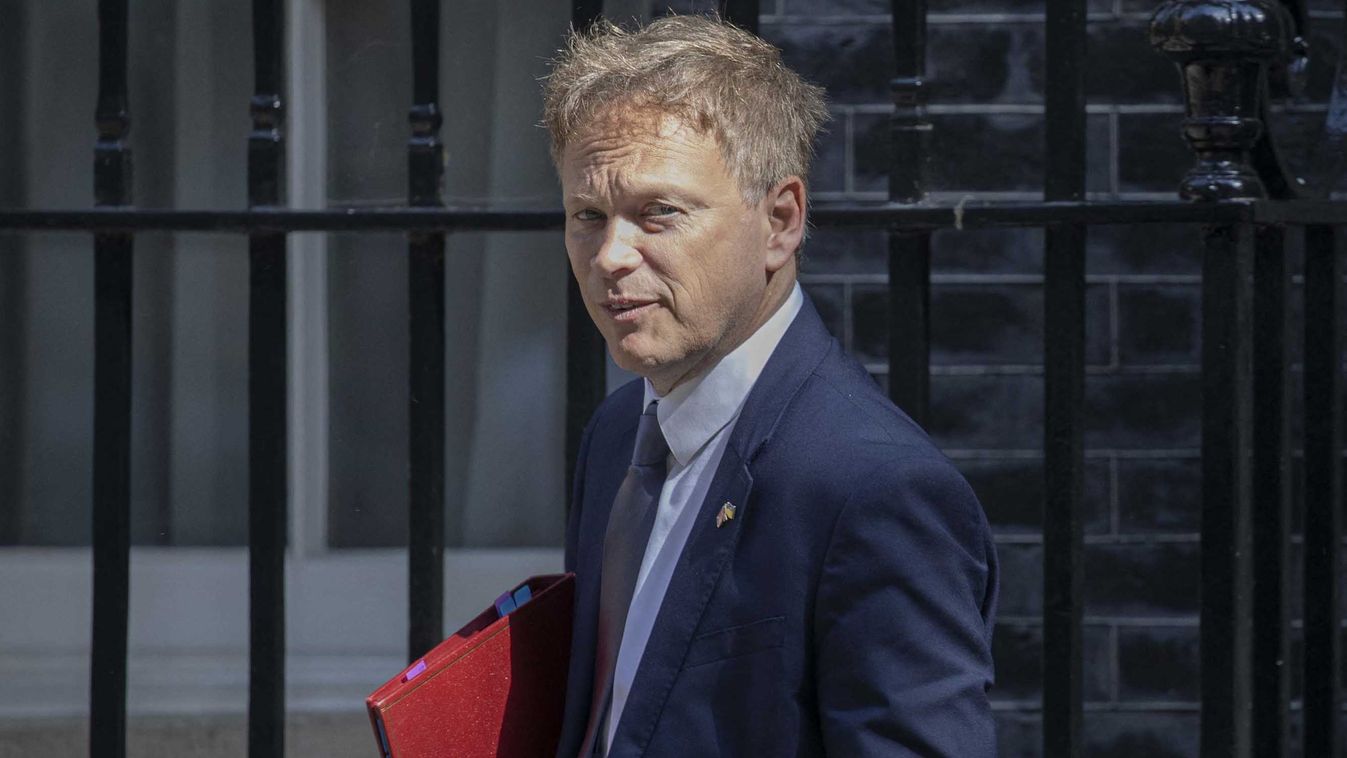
{"points": [[425, 172], [741, 13], [1271, 495], [1323, 493], [267, 421], [586, 380], [112, 396], [1064, 128], [586, 369], [1224, 68], [1064, 383], [1064, 465], [909, 253], [584, 13], [13, 288], [1226, 607], [910, 322]]}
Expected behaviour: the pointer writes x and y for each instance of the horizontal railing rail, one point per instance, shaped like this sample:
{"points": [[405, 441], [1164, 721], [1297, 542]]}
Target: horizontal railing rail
{"points": [[823, 216]]}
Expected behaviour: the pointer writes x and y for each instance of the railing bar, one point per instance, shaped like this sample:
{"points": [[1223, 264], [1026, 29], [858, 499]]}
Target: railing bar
{"points": [[425, 542], [112, 396], [267, 495], [909, 250], [426, 517], [909, 326], [1064, 383], [908, 127], [586, 370], [908, 218], [585, 12], [267, 471], [1064, 101], [908, 27], [1226, 573], [112, 154], [1271, 497], [741, 13], [1323, 492], [13, 285], [111, 522], [1302, 212], [586, 378], [1064, 466]]}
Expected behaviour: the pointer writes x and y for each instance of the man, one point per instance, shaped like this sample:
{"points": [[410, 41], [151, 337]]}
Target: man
{"points": [[771, 559]]}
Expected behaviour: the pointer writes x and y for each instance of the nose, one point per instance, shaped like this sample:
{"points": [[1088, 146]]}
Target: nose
{"points": [[619, 252]]}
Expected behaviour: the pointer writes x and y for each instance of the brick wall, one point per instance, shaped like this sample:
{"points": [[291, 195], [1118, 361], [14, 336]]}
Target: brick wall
{"points": [[1142, 486]]}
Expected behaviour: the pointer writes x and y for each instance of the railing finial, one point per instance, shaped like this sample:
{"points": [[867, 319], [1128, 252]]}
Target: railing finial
{"points": [[1223, 49]]}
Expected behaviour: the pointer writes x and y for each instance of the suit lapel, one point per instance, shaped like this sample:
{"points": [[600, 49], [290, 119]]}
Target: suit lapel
{"points": [[699, 567], [709, 547]]}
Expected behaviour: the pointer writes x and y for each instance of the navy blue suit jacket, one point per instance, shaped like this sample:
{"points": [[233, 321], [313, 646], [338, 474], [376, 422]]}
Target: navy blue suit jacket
{"points": [[847, 608]]}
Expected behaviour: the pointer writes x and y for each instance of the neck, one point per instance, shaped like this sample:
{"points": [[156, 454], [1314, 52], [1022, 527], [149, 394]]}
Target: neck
{"points": [[779, 287]]}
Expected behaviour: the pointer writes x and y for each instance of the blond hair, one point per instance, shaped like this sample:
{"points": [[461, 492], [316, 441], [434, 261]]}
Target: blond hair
{"points": [[711, 75]]}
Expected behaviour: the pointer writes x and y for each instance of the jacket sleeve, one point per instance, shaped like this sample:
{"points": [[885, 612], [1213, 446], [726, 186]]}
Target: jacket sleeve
{"points": [[903, 618]]}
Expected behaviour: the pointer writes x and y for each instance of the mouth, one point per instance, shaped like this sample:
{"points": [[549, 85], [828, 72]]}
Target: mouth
{"points": [[627, 309]]}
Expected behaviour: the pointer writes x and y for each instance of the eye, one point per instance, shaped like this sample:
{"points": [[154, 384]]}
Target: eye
{"points": [[660, 210], [588, 214]]}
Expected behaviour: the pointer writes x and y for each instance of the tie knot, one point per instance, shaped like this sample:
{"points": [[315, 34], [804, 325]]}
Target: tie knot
{"points": [[651, 449]]}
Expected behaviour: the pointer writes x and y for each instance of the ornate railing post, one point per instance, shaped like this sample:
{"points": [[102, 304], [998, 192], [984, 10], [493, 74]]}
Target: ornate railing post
{"points": [[1223, 49]]}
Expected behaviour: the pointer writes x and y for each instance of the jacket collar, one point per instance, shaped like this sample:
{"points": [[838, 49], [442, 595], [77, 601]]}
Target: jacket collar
{"points": [[800, 351]]}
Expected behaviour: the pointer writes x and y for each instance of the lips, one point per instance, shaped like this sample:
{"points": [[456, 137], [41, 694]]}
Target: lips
{"points": [[627, 309]]}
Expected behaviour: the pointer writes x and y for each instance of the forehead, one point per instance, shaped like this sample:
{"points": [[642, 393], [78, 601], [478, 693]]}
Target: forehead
{"points": [[631, 147]]}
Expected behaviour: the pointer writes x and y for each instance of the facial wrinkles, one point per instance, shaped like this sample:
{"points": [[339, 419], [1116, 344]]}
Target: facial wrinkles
{"points": [[609, 163], [688, 261], [615, 167]]}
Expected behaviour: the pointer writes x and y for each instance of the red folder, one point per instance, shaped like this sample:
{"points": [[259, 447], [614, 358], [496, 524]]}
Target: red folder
{"points": [[495, 688]]}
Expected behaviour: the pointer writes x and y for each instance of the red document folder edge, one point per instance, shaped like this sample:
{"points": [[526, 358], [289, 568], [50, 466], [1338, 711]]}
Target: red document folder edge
{"points": [[497, 687]]}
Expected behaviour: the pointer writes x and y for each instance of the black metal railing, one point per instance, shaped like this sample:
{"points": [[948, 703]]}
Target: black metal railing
{"points": [[425, 282], [1225, 50], [909, 248], [268, 500], [1064, 385], [1272, 481], [112, 393], [1323, 493]]}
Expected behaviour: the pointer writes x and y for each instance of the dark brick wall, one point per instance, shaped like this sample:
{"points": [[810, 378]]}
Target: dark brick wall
{"points": [[1142, 483]]}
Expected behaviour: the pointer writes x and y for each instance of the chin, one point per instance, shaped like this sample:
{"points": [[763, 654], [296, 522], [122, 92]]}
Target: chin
{"points": [[638, 359], [636, 362]]}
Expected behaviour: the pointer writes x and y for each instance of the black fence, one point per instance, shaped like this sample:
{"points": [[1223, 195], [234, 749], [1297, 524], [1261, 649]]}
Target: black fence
{"points": [[1238, 191]]}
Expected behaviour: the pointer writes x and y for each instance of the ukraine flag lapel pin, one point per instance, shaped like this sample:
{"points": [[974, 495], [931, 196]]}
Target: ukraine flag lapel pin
{"points": [[726, 514]]}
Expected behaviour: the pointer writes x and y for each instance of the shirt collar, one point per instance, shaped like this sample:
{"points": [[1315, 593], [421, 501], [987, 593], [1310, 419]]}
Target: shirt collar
{"points": [[693, 412]]}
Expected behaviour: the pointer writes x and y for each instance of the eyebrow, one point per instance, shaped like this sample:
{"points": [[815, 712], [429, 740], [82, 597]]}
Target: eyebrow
{"points": [[582, 197], [681, 195]]}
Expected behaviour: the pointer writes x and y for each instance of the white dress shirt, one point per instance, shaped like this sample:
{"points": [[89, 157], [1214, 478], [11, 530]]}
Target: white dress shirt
{"points": [[696, 418]]}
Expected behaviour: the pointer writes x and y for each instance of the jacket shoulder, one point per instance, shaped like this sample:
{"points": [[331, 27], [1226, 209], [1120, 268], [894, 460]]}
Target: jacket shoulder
{"points": [[841, 412]]}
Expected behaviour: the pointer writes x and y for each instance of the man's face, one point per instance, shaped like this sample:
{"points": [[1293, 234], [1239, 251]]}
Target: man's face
{"points": [[673, 265]]}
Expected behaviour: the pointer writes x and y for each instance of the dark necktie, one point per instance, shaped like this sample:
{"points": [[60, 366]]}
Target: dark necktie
{"points": [[624, 542]]}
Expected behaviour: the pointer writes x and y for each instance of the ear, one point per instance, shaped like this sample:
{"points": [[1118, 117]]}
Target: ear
{"points": [[786, 218]]}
